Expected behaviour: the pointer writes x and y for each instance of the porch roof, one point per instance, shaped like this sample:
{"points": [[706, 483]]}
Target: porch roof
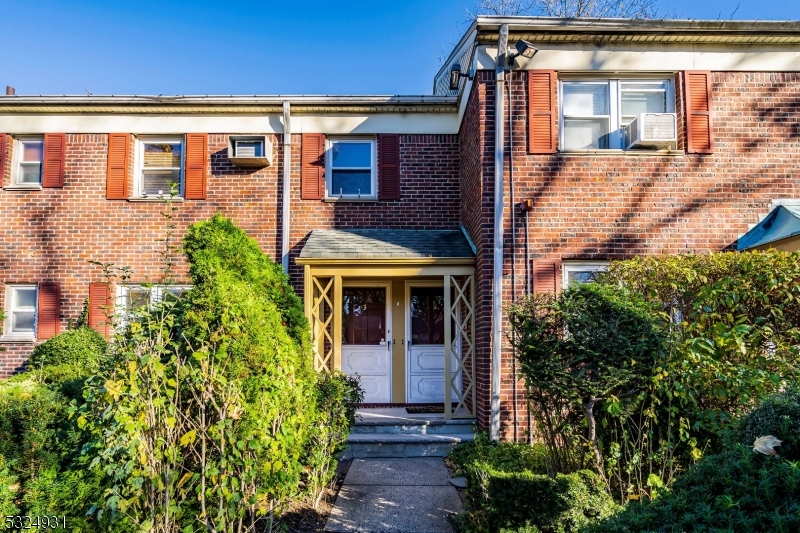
{"points": [[385, 244]]}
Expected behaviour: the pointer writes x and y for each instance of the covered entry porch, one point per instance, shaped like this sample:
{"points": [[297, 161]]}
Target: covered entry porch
{"points": [[395, 307]]}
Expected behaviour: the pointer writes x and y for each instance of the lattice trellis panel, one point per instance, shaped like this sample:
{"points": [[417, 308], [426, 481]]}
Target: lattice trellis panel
{"points": [[322, 323], [460, 346]]}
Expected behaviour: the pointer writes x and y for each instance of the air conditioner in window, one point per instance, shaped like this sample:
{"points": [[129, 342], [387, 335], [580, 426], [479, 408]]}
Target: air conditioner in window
{"points": [[652, 130], [250, 150]]}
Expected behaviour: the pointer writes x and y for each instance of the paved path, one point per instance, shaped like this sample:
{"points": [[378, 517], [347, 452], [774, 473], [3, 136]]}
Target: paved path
{"points": [[395, 495]]}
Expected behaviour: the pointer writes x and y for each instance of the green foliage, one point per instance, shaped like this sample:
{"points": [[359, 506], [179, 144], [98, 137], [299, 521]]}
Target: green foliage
{"points": [[508, 490], [779, 416], [39, 456], [206, 418], [502, 456], [218, 245], [591, 346], [736, 328], [337, 401], [66, 360], [734, 491]]}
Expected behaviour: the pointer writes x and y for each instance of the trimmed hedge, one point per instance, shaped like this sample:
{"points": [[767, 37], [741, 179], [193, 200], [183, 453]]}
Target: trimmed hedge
{"points": [[524, 500], [735, 491]]}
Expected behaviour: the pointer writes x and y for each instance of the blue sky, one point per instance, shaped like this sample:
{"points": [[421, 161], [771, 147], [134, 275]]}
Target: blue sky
{"points": [[256, 47]]}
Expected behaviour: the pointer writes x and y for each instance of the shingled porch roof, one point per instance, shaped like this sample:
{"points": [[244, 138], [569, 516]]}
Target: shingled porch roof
{"points": [[356, 244]]}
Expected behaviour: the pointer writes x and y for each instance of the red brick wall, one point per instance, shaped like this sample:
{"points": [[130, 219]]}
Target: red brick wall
{"points": [[54, 234], [609, 207]]}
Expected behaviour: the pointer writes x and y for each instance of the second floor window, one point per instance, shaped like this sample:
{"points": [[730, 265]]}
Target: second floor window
{"points": [[594, 113], [350, 169], [30, 156], [159, 166]]}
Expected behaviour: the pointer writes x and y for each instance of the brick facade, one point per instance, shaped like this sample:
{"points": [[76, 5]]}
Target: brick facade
{"points": [[54, 234], [601, 207]]}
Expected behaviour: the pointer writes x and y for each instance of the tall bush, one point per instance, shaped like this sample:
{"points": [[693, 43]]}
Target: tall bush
{"points": [[592, 346], [205, 419]]}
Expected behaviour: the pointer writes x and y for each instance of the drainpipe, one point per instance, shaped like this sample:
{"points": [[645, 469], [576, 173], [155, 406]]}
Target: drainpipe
{"points": [[497, 282], [287, 173]]}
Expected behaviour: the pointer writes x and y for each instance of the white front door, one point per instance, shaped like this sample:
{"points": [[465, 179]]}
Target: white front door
{"points": [[366, 315], [425, 344]]}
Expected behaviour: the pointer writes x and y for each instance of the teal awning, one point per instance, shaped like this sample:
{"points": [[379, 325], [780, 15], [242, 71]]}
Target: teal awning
{"points": [[782, 222]]}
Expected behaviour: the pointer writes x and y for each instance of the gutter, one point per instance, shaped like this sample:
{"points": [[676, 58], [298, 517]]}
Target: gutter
{"points": [[499, 204], [287, 173]]}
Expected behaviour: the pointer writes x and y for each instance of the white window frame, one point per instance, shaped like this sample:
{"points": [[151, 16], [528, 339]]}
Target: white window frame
{"points": [[9, 335], [16, 162], [580, 266], [156, 294], [138, 179], [332, 195], [616, 132]]}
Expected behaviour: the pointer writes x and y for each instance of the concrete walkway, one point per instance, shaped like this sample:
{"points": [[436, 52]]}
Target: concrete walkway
{"points": [[394, 495]]}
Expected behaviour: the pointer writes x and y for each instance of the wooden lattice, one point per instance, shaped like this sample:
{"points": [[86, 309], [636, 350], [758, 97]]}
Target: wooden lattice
{"points": [[460, 346], [322, 323]]}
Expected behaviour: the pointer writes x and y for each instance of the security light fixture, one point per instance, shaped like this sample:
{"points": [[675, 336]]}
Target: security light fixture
{"points": [[455, 76], [524, 49]]}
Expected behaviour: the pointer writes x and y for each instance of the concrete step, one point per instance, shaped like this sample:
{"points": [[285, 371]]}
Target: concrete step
{"points": [[416, 427], [367, 445]]}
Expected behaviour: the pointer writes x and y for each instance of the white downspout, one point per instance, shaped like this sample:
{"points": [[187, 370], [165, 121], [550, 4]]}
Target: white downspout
{"points": [[497, 282], [287, 174]]}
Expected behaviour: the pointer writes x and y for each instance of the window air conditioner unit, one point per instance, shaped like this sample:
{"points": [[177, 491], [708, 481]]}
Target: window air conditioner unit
{"points": [[250, 150], [652, 130]]}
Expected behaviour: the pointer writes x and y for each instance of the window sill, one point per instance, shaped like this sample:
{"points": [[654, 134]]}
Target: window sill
{"points": [[346, 199], [161, 199], [23, 187], [17, 338], [629, 153]]}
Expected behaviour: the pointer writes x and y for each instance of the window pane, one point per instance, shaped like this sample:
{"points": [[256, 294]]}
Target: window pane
{"points": [[580, 276], [363, 316], [644, 86], [32, 150], [24, 298], [585, 134], [249, 149], [351, 182], [427, 315], [30, 173], [22, 322], [171, 294], [157, 182], [352, 154], [162, 155], [634, 103], [137, 297], [585, 99]]}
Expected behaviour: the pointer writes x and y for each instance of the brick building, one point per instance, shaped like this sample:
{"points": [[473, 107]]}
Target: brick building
{"points": [[604, 139]]}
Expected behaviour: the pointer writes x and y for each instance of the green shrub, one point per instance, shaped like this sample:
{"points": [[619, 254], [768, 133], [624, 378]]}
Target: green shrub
{"points": [[337, 401], [734, 491], [779, 416], [524, 500], [68, 359], [9, 488], [503, 456]]}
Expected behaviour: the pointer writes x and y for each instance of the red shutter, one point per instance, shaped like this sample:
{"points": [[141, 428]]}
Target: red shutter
{"points": [[699, 127], [195, 186], [312, 171], [119, 147], [542, 111], [3, 138], [48, 320], [99, 300], [55, 147], [389, 166], [547, 275]]}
